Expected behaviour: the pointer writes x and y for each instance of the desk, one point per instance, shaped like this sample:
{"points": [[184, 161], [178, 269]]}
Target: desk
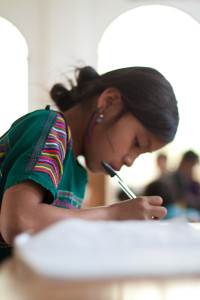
{"points": [[17, 282]]}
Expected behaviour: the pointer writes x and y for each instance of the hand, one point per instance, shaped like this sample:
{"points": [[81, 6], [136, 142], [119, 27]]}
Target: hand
{"points": [[141, 208]]}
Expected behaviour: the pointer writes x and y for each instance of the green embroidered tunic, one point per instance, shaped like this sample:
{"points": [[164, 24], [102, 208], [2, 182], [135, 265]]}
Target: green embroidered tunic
{"points": [[38, 147]]}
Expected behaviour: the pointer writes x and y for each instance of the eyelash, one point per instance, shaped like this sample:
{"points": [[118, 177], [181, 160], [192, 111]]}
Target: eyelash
{"points": [[136, 143]]}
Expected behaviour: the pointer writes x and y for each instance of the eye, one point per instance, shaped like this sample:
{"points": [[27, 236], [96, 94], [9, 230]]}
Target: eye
{"points": [[136, 143]]}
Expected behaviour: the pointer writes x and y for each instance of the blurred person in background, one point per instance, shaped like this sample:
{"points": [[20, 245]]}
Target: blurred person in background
{"points": [[179, 190]]}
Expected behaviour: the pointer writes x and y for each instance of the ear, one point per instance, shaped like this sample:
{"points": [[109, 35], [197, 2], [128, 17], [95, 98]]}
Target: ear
{"points": [[110, 96]]}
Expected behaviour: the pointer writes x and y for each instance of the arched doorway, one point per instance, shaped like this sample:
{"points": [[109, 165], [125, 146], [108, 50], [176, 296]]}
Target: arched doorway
{"points": [[169, 40], [13, 74]]}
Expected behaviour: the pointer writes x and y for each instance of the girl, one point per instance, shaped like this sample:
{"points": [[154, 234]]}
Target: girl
{"points": [[114, 118]]}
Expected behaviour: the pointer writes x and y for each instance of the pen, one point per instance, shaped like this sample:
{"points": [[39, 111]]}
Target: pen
{"points": [[114, 175]]}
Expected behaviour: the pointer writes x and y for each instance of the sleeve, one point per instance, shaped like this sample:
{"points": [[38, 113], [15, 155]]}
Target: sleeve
{"points": [[38, 152]]}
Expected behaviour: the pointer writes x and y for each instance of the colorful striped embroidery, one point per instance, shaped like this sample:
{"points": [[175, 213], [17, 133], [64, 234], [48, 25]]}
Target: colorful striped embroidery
{"points": [[41, 141], [51, 158], [67, 200]]}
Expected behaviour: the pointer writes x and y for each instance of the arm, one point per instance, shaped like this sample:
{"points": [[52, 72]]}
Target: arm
{"points": [[23, 210]]}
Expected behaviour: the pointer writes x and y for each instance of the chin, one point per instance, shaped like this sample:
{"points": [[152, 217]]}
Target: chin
{"points": [[95, 168]]}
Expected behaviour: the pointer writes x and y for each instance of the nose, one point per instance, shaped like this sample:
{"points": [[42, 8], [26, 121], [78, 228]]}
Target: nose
{"points": [[129, 160]]}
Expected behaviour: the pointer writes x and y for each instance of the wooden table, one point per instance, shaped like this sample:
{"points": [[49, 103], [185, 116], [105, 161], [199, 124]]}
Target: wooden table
{"points": [[18, 282]]}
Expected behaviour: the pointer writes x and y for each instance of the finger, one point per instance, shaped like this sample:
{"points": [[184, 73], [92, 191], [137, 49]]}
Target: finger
{"points": [[158, 213], [155, 200]]}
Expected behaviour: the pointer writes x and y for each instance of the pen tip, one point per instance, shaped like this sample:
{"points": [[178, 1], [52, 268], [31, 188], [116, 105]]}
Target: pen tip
{"points": [[108, 169]]}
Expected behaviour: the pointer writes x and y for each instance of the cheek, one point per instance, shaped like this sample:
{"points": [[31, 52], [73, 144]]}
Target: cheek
{"points": [[112, 146], [118, 141], [95, 152], [103, 148], [108, 145]]}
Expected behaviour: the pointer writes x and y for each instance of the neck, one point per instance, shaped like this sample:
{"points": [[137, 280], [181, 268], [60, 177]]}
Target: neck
{"points": [[76, 118]]}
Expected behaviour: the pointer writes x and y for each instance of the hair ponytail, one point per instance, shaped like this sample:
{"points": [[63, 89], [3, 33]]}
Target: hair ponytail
{"points": [[64, 98], [86, 74]]}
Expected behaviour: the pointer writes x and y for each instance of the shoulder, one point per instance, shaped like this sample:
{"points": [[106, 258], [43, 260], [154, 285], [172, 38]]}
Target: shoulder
{"points": [[39, 120], [36, 126], [43, 116], [52, 126]]}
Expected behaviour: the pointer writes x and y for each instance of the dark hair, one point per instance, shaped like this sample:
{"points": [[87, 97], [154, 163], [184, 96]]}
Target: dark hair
{"points": [[145, 92], [190, 156]]}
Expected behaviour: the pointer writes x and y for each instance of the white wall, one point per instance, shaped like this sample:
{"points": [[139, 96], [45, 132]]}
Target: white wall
{"points": [[61, 33]]}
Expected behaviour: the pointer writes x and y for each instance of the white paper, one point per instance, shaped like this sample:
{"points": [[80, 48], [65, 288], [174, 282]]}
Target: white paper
{"points": [[79, 249]]}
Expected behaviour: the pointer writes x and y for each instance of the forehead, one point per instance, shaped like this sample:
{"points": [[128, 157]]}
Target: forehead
{"points": [[156, 143], [149, 141]]}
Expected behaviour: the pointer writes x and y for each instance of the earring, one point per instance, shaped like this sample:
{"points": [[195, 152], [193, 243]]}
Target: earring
{"points": [[99, 120], [92, 124]]}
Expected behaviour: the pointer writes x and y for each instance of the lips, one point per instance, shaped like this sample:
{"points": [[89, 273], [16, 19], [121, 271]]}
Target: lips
{"points": [[115, 167]]}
